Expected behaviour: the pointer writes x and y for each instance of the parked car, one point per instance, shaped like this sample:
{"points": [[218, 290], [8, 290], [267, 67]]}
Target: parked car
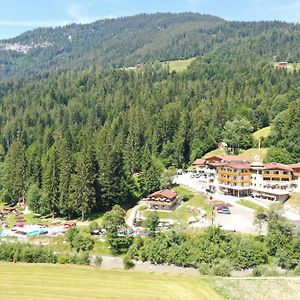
{"points": [[224, 210]]}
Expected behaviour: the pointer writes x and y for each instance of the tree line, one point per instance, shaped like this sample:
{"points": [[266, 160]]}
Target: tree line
{"points": [[76, 142]]}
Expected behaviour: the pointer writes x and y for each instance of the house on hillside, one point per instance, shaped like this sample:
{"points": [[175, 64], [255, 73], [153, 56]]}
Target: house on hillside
{"points": [[281, 65], [163, 200]]}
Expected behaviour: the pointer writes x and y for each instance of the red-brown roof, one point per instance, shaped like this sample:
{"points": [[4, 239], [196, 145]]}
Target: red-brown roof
{"points": [[233, 165], [295, 166], [277, 166], [199, 161], [165, 193], [230, 158]]}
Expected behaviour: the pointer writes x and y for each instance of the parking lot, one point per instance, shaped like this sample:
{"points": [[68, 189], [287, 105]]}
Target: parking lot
{"points": [[241, 218]]}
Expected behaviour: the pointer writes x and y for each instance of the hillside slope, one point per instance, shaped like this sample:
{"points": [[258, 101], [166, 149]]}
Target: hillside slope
{"points": [[140, 39]]}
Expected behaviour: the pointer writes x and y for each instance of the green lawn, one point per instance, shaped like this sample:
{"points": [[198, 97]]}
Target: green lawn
{"points": [[249, 204], [182, 213], [252, 152], [262, 133], [287, 288], [215, 152], [42, 282], [294, 200], [179, 65]]}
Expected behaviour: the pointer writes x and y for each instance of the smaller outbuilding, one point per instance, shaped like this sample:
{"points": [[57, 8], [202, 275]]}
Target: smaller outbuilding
{"points": [[163, 200]]}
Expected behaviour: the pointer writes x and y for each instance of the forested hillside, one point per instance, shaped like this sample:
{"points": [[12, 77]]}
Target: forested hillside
{"points": [[71, 141], [139, 39]]}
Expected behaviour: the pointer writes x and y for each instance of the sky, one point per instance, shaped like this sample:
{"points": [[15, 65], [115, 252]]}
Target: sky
{"points": [[18, 16]]}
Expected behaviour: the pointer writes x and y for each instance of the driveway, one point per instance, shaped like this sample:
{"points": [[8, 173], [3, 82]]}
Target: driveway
{"points": [[241, 218]]}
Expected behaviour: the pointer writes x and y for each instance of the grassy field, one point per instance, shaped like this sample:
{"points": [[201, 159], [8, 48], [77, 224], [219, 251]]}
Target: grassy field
{"points": [[179, 65], [262, 133], [42, 282], [262, 152], [182, 213], [215, 152], [294, 200], [259, 288], [249, 204]]}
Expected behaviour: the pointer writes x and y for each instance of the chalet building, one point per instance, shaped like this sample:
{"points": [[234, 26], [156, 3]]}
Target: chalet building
{"points": [[240, 176], [281, 65], [163, 200]]}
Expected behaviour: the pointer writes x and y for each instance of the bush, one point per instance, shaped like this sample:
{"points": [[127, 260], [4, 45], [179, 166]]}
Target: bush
{"points": [[98, 261], [204, 268], [265, 270], [222, 268], [128, 262], [94, 226], [258, 271], [82, 242], [297, 270], [63, 259], [185, 197]]}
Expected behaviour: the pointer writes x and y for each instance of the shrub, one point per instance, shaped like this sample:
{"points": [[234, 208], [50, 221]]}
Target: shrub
{"points": [[98, 261], [82, 242], [128, 262], [265, 270], [297, 270], [204, 268], [185, 197], [63, 259], [94, 226], [222, 268], [258, 271]]}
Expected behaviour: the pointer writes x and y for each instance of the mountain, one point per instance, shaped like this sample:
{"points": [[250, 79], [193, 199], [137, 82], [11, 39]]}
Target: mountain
{"points": [[140, 39]]}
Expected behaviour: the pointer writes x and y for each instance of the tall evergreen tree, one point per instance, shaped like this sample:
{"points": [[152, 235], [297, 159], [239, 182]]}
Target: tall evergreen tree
{"points": [[149, 180], [83, 184], [51, 181], [65, 163], [15, 171], [116, 185]]}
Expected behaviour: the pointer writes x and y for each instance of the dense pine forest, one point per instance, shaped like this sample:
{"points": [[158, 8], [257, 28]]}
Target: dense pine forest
{"points": [[76, 141], [143, 38]]}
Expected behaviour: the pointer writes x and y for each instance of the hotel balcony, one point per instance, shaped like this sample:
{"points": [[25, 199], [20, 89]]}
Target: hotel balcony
{"points": [[226, 172], [239, 181], [288, 176]]}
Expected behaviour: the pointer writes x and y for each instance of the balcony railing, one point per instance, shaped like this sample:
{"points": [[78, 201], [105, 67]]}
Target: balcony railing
{"points": [[277, 176], [234, 180], [226, 172]]}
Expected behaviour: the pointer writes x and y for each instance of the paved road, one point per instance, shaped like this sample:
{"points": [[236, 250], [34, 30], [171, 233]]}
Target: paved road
{"points": [[241, 218]]}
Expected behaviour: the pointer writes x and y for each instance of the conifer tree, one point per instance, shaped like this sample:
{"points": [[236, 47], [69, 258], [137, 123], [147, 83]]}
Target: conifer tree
{"points": [[51, 181], [83, 183], [149, 181], [15, 171], [116, 185], [65, 173]]}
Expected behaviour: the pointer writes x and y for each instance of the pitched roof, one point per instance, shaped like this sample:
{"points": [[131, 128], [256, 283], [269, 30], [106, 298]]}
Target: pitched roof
{"points": [[169, 194], [295, 166], [233, 165], [231, 158], [199, 161], [277, 166]]}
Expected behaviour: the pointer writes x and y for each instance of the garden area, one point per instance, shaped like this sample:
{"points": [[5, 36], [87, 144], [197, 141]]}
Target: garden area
{"points": [[192, 205]]}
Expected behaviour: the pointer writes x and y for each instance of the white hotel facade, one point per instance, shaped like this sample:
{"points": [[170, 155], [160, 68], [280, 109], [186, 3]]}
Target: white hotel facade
{"points": [[240, 176]]}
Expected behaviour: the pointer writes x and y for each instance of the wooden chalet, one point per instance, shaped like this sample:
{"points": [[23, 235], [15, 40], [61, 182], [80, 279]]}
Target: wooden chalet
{"points": [[163, 200]]}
